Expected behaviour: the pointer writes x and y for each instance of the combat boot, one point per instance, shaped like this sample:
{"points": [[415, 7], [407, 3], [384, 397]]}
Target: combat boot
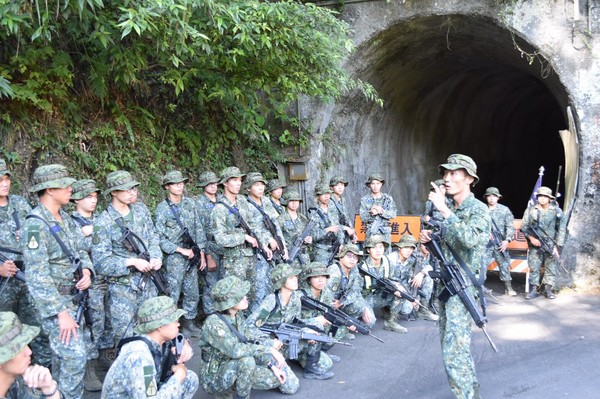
{"points": [[426, 314], [91, 382], [532, 293], [312, 369], [105, 359], [509, 289], [548, 292], [189, 329], [390, 324]]}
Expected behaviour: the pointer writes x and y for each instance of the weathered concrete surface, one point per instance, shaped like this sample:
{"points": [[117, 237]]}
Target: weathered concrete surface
{"points": [[491, 79]]}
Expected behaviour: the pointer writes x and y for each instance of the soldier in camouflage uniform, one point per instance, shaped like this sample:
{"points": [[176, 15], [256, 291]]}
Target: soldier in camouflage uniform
{"points": [[328, 236], [378, 264], [49, 273], [176, 213], [18, 378], [239, 256], [467, 224], [430, 212], [284, 306], [206, 201], [292, 225], [137, 372], [338, 185], [547, 218], [502, 223], [14, 295], [377, 209], [123, 268], [236, 356], [275, 191]]}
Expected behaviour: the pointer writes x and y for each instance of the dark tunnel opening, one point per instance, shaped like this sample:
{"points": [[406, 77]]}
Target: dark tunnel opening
{"points": [[464, 84]]}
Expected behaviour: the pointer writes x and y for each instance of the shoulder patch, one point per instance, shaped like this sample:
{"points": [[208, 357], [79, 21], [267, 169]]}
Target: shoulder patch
{"points": [[33, 237], [149, 381]]}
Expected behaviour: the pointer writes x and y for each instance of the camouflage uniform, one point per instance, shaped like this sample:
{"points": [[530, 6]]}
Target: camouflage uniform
{"points": [[49, 276], [110, 255], [293, 228], [325, 244], [277, 208], [134, 374], [205, 206], [170, 232], [502, 218], [341, 207], [228, 363], [389, 212]]}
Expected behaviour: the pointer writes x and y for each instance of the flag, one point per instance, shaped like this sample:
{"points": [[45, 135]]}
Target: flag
{"points": [[538, 184]]}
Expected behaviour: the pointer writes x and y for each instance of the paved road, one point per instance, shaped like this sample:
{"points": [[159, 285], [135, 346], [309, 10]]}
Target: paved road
{"points": [[547, 350]]}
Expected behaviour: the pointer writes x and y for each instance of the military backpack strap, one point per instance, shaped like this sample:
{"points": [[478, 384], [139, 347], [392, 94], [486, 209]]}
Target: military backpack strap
{"points": [[81, 221], [232, 328], [156, 355]]}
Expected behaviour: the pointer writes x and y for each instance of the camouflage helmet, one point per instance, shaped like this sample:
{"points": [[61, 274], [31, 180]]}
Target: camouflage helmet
{"points": [[335, 180], [349, 248], [492, 191], [460, 161], [119, 180], [275, 184], [228, 292], [374, 240], [173, 177], [51, 176], [292, 195], [545, 191], [407, 240], [14, 335], [252, 178], [228, 173], [321, 189], [375, 176], [281, 273], [156, 312], [207, 178], [314, 269], [4, 168], [82, 188]]}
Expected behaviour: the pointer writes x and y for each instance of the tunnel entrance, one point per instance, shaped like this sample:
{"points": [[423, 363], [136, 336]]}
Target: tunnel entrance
{"points": [[462, 84]]}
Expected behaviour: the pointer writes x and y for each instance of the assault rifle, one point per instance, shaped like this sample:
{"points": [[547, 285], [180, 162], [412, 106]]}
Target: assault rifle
{"points": [[380, 222], [455, 284], [335, 244], [188, 241], [272, 228], [343, 221], [82, 297], [291, 334], [19, 263], [497, 239], [242, 223], [294, 250], [548, 243], [387, 285], [171, 358], [336, 317]]}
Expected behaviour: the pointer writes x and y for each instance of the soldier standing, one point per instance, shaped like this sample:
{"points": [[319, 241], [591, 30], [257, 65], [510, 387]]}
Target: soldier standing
{"points": [[377, 209], [338, 185], [125, 249], [328, 237], [503, 229], [275, 190], [292, 225], [139, 369], [545, 218], [52, 245], [237, 356], [467, 225]]}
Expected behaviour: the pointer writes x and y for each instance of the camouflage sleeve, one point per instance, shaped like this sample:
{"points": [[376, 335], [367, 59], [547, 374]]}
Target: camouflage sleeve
{"points": [[199, 233], [390, 211], [167, 228], [470, 231], [526, 220], [318, 232], [508, 223], [363, 211], [218, 335], [257, 225], [153, 239], [354, 292], [225, 235], [106, 259], [261, 314]]}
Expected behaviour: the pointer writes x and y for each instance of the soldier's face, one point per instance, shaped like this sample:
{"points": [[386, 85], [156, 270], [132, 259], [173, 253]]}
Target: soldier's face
{"points": [[18, 364], [291, 283], [242, 304], [176, 188], [324, 198], [349, 260], [170, 331], [87, 204], [338, 189], [293, 205], [233, 185], [375, 186], [277, 193], [406, 252], [457, 182], [4, 185], [491, 200], [257, 189], [61, 196], [211, 188], [318, 282], [124, 196], [543, 200], [377, 251]]}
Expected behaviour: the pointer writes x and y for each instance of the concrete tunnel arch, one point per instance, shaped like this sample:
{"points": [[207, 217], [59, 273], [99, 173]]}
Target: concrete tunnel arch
{"points": [[453, 83]]}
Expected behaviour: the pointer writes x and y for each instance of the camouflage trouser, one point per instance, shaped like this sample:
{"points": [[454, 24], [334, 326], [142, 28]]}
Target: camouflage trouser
{"points": [[184, 283], [322, 253], [535, 258], [242, 375], [501, 260], [262, 283], [209, 281], [190, 385], [379, 301], [305, 349], [455, 337], [102, 330], [15, 298], [122, 306], [423, 294], [356, 311], [69, 360], [244, 268]]}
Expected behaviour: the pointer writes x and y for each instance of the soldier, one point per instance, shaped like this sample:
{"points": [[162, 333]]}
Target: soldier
{"points": [[379, 265], [467, 227], [237, 356], [328, 237], [125, 249], [182, 239], [18, 378], [139, 369], [239, 257], [52, 246], [292, 225], [284, 306], [338, 185], [502, 227], [431, 213], [377, 209], [545, 218], [275, 190], [206, 201]]}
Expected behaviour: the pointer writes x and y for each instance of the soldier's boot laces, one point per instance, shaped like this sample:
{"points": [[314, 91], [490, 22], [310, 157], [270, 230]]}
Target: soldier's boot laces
{"points": [[533, 293], [91, 382], [509, 289], [548, 292], [427, 314], [312, 369], [189, 328]]}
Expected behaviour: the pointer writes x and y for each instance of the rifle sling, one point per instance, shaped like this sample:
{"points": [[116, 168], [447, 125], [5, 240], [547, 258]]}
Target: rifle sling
{"points": [[234, 330], [126, 231], [175, 213], [54, 231], [477, 283], [156, 355]]}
